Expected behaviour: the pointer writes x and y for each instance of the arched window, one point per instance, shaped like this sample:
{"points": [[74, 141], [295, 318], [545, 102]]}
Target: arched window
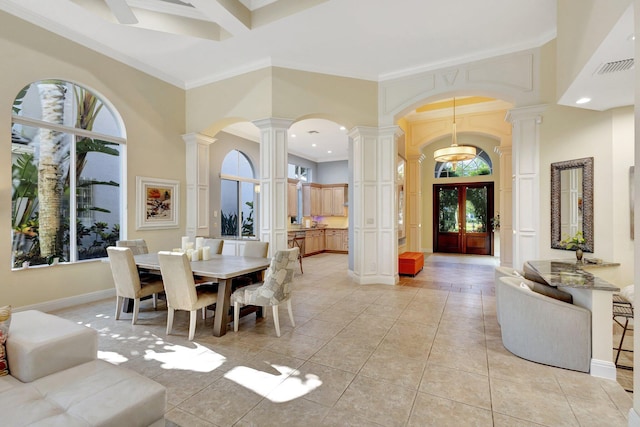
{"points": [[479, 165], [66, 168], [238, 188]]}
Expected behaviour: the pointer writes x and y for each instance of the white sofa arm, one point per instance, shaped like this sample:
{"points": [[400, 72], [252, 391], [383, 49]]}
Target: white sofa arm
{"points": [[41, 344]]}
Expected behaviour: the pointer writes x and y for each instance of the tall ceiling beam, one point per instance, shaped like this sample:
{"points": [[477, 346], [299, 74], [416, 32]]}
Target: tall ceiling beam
{"points": [[231, 15]]}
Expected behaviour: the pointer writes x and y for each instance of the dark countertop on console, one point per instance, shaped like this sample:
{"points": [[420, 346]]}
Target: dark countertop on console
{"points": [[564, 273]]}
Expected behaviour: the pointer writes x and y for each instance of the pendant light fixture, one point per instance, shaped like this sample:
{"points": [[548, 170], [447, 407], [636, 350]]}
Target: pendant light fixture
{"points": [[454, 153]]}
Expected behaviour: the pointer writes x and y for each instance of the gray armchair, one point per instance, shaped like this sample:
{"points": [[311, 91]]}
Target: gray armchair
{"points": [[543, 329]]}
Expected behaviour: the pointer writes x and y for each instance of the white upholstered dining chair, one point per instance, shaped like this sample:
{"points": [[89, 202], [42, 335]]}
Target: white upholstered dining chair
{"points": [[255, 248], [215, 245], [137, 246], [128, 283], [275, 290], [181, 290]]}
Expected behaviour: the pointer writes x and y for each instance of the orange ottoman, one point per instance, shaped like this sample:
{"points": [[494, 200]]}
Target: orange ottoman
{"points": [[410, 263]]}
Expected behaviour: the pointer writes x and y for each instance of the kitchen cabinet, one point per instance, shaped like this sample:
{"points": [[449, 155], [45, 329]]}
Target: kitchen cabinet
{"points": [[338, 198], [314, 242], [292, 199], [337, 240], [345, 240], [311, 200], [333, 240], [324, 200]]}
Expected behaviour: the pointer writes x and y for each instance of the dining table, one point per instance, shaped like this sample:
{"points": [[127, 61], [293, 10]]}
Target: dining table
{"points": [[220, 268]]}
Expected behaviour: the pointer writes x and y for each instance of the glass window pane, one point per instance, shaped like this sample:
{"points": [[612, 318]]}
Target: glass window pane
{"points": [[230, 163], [66, 104], [97, 197], [476, 210], [247, 204], [448, 210], [229, 207], [40, 198]]}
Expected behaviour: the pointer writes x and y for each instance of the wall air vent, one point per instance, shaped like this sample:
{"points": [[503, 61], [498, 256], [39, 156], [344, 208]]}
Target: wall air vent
{"points": [[615, 66]]}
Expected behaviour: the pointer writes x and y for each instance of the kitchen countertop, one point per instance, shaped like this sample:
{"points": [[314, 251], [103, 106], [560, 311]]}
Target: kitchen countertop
{"points": [[568, 273]]}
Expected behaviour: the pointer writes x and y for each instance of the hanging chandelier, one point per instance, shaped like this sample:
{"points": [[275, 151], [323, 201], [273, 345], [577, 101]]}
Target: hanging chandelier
{"points": [[454, 153]]}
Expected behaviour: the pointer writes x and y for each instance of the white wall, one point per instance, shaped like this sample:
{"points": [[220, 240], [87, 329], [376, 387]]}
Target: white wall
{"points": [[333, 172]]}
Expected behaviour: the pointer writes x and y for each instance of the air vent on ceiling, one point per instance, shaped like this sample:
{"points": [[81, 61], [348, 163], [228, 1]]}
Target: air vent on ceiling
{"points": [[615, 66]]}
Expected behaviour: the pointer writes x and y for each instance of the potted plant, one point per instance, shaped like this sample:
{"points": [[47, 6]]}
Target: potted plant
{"points": [[575, 241]]}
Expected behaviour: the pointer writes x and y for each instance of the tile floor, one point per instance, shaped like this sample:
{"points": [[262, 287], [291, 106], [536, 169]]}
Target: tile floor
{"points": [[425, 353]]}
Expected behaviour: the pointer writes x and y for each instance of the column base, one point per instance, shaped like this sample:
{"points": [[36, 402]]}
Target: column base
{"points": [[634, 418]]}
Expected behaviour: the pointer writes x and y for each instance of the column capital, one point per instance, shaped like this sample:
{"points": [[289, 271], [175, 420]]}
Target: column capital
{"points": [[526, 113], [272, 122], [198, 137], [418, 158]]}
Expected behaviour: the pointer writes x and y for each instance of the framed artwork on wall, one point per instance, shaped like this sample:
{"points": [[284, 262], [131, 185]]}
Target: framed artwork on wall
{"points": [[157, 202]]}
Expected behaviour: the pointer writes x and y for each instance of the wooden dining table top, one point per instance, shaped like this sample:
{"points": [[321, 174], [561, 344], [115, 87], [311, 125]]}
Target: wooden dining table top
{"points": [[218, 267]]}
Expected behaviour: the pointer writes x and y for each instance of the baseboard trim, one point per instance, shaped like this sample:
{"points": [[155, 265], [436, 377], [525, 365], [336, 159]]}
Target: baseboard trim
{"points": [[63, 303], [603, 369]]}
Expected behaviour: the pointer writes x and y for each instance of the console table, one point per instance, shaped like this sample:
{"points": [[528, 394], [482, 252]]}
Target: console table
{"points": [[592, 293]]}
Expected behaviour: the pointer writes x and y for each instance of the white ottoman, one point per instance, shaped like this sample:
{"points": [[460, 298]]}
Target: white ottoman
{"points": [[40, 344]]}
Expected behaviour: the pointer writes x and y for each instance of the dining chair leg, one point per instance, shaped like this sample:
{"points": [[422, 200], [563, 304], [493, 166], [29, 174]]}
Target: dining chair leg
{"points": [[119, 301], [236, 316], [290, 312], [276, 321], [136, 309], [192, 324], [169, 319]]}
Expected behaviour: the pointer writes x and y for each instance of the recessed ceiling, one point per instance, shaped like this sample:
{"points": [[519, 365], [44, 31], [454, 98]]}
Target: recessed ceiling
{"points": [[318, 140]]}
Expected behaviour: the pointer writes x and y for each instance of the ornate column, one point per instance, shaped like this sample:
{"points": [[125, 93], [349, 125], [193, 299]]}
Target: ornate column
{"points": [[414, 202], [273, 181], [374, 210], [197, 158], [526, 182]]}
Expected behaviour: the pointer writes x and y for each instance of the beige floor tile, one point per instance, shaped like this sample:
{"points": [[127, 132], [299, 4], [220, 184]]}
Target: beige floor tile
{"points": [[454, 384], [501, 420], [395, 369], [297, 345], [319, 328], [324, 385], [179, 417], [342, 354], [223, 403], [430, 410], [472, 360], [596, 412], [377, 401], [340, 418], [529, 403], [299, 412], [506, 366]]}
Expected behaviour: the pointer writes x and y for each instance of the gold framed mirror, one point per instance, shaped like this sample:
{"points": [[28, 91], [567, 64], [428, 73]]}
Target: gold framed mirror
{"points": [[572, 202]]}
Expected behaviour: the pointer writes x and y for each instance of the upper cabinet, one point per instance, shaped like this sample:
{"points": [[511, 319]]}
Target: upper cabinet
{"points": [[311, 199], [324, 200], [292, 199]]}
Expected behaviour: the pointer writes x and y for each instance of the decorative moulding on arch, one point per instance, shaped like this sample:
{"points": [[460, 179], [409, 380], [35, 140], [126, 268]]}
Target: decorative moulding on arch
{"points": [[514, 71], [414, 88]]}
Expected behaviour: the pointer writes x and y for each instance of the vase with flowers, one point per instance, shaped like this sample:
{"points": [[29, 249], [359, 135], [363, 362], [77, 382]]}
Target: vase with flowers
{"points": [[576, 241]]}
